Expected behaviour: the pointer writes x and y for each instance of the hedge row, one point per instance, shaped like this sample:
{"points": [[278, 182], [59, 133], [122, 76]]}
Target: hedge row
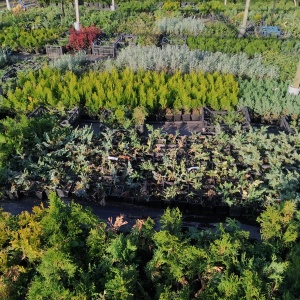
{"points": [[111, 90]]}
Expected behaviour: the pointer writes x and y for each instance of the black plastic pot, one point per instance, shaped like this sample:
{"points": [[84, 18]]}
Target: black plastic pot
{"points": [[178, 117], [169, 117], [41, 195], [207, 210], [195, 117], [235, 211], [186, 117]]}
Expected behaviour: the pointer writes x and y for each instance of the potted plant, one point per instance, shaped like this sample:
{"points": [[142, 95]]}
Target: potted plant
{"points": [[177, 109], [138, 117], [177, 114], [196, 114], [186, 115], [169, 115]]}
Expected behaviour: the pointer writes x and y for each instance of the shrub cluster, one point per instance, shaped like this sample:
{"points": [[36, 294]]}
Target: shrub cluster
{"points": [[18, 38], [173, 58], [65, 251], [250, 46], [180, 26], [150, 89], [268, 98], [83, 38]]}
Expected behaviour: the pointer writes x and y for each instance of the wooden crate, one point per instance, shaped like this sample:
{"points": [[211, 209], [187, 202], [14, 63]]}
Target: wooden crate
{"points": [[54, 50], [100, 49], [104, 51]]}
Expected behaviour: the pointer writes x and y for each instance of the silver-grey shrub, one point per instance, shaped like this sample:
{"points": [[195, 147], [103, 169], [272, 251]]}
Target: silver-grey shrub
{"points": [[3, 58], [268, 98], [69, 62], [180, 26], [181, 58]]}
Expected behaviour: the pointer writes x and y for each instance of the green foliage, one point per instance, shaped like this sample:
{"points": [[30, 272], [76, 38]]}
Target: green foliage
{"points": [[69, 62], [113, 89], [250, 46], [4, 59], [20, 134], [144, 263], [55, 270], [267, 98], [172, 221], [18, 38], [279, 225]]}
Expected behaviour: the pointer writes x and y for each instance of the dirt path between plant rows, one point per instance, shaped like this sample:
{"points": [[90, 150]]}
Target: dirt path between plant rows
{"points": [[130, 212]]}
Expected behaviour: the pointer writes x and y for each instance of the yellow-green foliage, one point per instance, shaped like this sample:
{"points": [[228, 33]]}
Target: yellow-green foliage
{"points": [[110, 90], [18, 38]]}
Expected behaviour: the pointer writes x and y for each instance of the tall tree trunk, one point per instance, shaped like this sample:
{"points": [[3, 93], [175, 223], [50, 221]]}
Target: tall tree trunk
{"points": [[273, 12], [113, 5], [225, 2], [295, 2], [242, 29], [62, 9], [77, 23], [8, 5], [296, 82]]}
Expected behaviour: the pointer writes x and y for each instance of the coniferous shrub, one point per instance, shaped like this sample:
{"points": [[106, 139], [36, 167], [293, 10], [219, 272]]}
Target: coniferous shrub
{"points": [[150, 89], [250, 46], [268, 98]]}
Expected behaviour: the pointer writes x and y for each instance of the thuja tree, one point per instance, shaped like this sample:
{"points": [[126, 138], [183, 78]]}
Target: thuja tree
{"points": [[65, 252], [113, 89]]}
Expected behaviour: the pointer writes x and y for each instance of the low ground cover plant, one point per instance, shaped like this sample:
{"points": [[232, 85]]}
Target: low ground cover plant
{"points": [[241, 169]]}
